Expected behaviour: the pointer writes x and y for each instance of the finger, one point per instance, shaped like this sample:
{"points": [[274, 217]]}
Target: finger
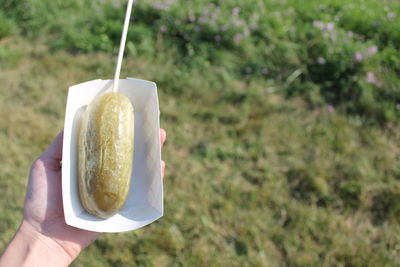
{"points": [[163, 136], [53, 154], [162, 168]]}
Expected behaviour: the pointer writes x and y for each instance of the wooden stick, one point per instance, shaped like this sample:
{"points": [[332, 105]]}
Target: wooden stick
{"points": [[122, 45]]}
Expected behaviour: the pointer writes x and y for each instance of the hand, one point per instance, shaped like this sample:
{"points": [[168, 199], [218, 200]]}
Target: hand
{"points": [[43, 211]]}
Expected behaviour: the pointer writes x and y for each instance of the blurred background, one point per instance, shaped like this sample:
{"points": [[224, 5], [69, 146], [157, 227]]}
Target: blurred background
{"points": [[282, 118]]}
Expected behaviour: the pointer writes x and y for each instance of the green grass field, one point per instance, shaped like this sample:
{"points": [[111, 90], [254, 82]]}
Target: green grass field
{"points": [[282, 118]]}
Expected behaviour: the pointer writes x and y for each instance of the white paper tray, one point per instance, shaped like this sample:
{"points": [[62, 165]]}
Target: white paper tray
{"points": [[145, 200]]}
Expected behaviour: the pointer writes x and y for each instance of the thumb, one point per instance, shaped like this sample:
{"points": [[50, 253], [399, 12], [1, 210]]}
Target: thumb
{"points": [[53, 155]]}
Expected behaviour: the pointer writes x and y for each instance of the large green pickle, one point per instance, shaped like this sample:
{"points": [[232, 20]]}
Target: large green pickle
{"points": [[105, 154]]}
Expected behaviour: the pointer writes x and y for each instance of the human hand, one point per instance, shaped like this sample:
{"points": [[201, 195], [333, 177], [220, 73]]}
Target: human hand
{"points": [[43, 211]]}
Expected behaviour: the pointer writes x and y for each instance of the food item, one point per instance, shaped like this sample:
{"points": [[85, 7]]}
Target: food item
{"points": [[105, 154]]}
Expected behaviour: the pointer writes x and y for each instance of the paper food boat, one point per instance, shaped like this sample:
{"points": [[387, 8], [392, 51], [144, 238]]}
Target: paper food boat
{"points": [[145, 200]]}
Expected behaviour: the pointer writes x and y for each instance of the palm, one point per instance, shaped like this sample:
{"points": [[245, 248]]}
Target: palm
{"points": [[43, 203]]}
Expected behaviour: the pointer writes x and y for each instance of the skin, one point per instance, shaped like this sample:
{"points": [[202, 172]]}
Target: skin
{"points": [[105, 155], [43, 238]]}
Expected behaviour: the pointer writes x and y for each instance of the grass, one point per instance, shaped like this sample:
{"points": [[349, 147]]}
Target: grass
{"points": [[253, 178], [344, 54]]}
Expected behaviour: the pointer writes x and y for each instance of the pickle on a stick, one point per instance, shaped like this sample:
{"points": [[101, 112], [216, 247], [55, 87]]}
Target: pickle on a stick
{"points": [[105, 154]]}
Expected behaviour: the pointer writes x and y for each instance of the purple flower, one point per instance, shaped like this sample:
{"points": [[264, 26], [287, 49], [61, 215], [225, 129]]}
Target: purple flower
{"points": [[371, 78], [318, 24], [160, 6], [391, 15], [238, 22], [237, 38], [329, 27], [246, 32], [330, 108], [163, 28], [372, 51], [248, 70], [203, 20], [321, 60], [192, 17], [235, 11], [217, 37], [358, 57]]}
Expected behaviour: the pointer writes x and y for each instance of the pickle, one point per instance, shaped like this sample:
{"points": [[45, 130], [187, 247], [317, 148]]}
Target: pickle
{"points": [[105, 154]]}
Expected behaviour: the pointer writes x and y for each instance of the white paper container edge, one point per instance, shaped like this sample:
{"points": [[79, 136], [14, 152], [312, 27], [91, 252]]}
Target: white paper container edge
{"points": [[145, 200]]}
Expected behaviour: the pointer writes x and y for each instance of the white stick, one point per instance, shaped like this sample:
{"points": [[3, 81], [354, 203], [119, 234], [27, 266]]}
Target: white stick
{"points": [[122, 45]]}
